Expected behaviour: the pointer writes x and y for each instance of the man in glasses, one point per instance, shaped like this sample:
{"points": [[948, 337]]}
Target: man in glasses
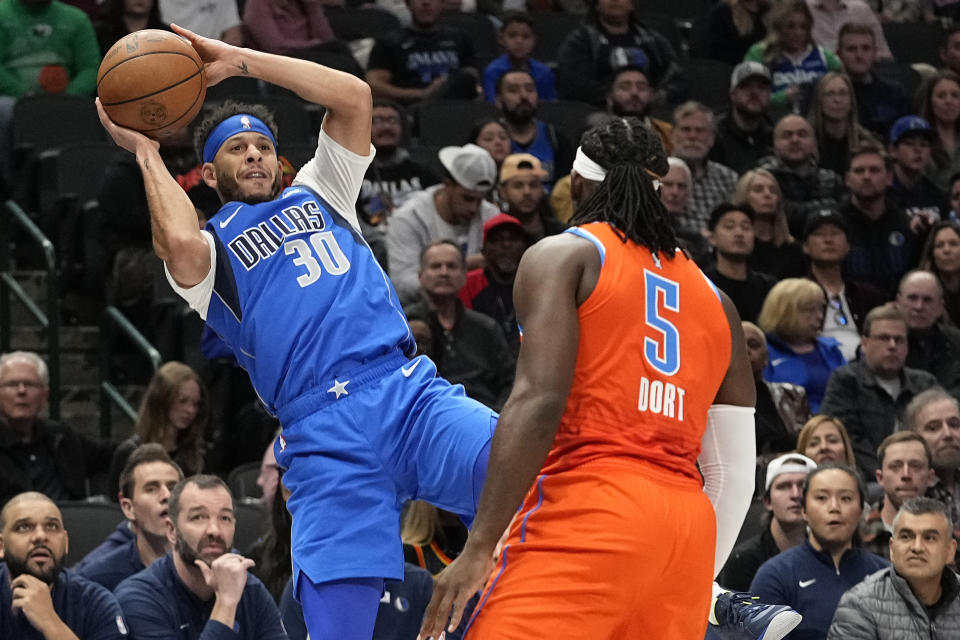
{"points": [[37, 454], [870, 395], [826, 245], [933, 346]]}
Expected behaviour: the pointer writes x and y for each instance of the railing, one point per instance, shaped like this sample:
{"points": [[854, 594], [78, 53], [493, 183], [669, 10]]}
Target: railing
{"points": [[114, 321], [11, 214]]}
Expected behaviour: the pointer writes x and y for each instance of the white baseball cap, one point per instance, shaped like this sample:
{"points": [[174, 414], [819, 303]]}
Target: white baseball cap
{"points": [[470, 166], [788, 463]]}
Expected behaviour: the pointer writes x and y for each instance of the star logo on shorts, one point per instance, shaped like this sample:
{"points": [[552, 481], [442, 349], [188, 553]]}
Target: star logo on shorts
{"points": [[339, 388]]}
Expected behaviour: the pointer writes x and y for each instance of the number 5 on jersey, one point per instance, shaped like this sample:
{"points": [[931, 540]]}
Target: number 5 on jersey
{"points": [[325, 248], [663, 353]]}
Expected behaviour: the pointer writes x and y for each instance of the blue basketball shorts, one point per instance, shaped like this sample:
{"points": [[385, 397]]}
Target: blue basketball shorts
{"points": [[393, 433]]}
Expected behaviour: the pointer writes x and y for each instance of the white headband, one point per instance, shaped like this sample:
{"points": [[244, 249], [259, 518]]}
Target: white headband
{"points": [[587, 168]]}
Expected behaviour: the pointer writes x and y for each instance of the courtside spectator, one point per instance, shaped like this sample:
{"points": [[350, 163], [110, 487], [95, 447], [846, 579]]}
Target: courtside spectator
{"points": [[631, 94], [775, 251], [744, 131], [217, 20], [518, 38], [941, 256], [933, 345], [935, 415], [734, 26], [836, 126]]}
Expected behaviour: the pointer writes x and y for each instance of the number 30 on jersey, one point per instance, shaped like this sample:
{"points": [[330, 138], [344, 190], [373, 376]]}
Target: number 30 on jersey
{"points": [[322, 250]]}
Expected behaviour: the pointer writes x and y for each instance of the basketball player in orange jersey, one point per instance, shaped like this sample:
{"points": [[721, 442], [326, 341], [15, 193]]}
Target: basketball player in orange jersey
{"points": [[632, 370]]}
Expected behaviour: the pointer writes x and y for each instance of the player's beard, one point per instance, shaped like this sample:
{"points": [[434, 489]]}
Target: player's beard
{"points": [[229, 189], [18, 566]]}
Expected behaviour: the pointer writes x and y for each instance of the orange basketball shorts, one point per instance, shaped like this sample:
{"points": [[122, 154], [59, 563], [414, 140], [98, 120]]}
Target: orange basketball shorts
{"points": [[611, 549]]}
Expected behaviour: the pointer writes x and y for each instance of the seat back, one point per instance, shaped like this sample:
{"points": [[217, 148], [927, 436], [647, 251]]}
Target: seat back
{"points": [[88, 524], [447, 122], [353, 23], [242, 481]]}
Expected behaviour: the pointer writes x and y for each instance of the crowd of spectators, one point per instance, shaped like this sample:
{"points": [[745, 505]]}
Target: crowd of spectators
{"points": [[820, 192]]}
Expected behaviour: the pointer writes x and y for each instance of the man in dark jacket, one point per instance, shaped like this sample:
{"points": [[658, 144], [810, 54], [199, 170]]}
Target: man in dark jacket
{"points": [[934, 346], [37, 454], [870, 395], [919, 596]]}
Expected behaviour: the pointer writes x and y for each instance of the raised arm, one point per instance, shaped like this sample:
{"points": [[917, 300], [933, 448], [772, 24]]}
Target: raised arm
{"points": [[346, 98], [173, 220], [546, 298]]}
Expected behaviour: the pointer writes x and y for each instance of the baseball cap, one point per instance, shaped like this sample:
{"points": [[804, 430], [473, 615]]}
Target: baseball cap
{"points": [[746, 70], [517, 163], [817, 219], [788, 463], [500, 220], [470, 166], [910, 124]]}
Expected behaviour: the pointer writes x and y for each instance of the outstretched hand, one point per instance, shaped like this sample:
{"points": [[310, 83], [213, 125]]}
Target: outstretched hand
{"points": [[125, 138], [454, 587], [220, 60]]}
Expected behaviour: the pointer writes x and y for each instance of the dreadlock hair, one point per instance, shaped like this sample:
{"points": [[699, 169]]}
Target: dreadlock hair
{"points": [[626, 200]]}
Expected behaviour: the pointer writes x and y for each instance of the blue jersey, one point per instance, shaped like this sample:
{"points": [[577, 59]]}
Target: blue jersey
{"points": [[298, 295]]}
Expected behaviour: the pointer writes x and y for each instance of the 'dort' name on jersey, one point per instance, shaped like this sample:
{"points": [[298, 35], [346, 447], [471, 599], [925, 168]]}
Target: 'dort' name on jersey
{"points": [[265, 239]]}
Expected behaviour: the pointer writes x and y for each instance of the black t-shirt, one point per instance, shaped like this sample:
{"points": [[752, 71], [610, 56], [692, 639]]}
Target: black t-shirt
{"points": [[747, 295], [785, 261], [416, 58]]}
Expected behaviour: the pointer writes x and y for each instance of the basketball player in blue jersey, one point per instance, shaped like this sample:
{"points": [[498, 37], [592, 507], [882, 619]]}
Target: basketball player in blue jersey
{"points": [[288, 283]]}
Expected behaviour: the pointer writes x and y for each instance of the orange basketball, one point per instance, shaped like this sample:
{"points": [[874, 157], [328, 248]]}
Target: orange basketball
{"points": [[152, 81]]}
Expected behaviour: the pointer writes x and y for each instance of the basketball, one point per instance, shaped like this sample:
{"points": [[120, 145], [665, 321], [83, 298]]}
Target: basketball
{"points": [[152, 81]]}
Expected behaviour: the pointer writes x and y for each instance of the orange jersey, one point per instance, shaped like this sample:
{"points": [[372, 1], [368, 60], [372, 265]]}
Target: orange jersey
{"points": [[654, 348]]}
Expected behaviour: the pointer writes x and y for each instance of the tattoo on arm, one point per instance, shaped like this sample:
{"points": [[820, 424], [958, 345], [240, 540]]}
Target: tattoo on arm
{"points": [[243, 68]]}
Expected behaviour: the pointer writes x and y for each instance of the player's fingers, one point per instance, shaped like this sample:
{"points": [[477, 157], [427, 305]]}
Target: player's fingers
{"points": [[437, 612], [459, 604], [186, 33]]}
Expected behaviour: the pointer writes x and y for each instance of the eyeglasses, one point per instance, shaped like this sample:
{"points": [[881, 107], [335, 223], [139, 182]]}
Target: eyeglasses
{"points": [[838, 315]]}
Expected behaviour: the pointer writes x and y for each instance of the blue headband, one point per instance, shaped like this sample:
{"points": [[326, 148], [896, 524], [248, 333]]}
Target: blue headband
{"points": [[230, 127]]}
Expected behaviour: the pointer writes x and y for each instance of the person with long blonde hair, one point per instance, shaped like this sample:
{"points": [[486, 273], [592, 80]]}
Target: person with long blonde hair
{"points": [[174, 413], [775, 251], [792, 316], [824, 439]]}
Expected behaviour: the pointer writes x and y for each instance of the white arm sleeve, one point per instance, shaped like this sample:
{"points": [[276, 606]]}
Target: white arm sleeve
{"points": [[727, 462], [336, 173], [198, 296]]}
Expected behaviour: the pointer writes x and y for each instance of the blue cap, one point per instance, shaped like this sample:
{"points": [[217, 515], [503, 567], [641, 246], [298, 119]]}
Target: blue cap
{"points": [[910, 124]]}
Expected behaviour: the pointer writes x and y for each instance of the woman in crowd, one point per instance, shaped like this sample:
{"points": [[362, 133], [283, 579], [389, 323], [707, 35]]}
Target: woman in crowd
{"points": [[734, 26], [792, 316], [831, 557], [941, 256], [825, 439], [939, 104], [794, 59], [775, 251], [491, 134], [175, 413], [833, 114]]}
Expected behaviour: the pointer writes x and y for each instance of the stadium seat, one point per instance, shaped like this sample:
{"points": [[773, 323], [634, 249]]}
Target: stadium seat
{"points": [[551, 29], [242, 481], [298, 154], [708, 81], [69, 176], [252, 521], [426, 155], [449, 122], [351, 23], [911, 42], [88, 524], [335, 55], [568, 117]]}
